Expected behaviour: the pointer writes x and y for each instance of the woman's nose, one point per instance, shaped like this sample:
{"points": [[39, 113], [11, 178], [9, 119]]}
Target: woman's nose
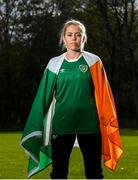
{"points": [[74, 37]]}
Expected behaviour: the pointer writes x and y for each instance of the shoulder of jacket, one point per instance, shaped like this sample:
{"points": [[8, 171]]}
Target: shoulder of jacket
{"points": [[55, 63], [91, 58]]}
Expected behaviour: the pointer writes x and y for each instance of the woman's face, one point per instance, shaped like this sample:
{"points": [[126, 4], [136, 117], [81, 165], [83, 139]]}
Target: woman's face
{"points": [[73, 38]]}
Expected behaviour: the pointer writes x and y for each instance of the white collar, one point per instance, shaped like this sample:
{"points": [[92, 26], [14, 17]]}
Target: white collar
{"points": [[73, 60]]}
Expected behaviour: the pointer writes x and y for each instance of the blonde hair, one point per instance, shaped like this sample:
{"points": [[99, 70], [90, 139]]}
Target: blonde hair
{"points": [[76, 23]]}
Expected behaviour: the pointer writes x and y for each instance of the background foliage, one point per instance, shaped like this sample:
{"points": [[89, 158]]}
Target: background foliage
{"points": [[29, 37]]}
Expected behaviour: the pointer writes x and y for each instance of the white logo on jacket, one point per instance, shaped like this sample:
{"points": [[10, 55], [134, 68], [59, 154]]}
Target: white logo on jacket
{"points": [[83, 68]]}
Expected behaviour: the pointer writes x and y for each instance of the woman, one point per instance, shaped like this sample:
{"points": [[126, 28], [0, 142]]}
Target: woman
{"points": [[74, 100]]}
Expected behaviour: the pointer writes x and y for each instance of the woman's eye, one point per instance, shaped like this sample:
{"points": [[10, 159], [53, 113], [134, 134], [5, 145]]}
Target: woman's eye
{"points": [[79, 35], [69, 35]]}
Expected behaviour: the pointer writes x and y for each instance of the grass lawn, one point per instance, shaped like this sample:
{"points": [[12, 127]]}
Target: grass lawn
{"points": [[13, 160]]}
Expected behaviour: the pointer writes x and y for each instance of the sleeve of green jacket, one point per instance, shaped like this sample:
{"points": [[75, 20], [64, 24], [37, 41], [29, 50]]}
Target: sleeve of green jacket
{"points": [[32, 139]]}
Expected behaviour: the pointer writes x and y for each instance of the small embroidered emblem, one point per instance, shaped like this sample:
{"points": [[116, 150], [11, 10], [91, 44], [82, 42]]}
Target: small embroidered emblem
{"points": [[83, 68]]}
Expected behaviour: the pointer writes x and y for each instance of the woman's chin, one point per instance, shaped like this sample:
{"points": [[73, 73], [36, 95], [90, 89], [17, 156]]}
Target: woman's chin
{"points": [[74, 49]]}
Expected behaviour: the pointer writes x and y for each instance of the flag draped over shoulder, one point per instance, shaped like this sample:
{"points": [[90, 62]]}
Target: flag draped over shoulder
{"points": [[111, 143], [36, 135]]}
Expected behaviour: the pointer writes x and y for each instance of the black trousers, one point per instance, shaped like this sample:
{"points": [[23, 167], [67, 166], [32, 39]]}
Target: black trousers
{"points": [[90, 145]]}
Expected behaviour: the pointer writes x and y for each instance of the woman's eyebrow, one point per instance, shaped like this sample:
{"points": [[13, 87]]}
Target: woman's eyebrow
{"points": [[72, 32]]}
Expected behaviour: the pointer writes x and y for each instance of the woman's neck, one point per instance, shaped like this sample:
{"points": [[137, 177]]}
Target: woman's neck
{"points": [[72, 54]]}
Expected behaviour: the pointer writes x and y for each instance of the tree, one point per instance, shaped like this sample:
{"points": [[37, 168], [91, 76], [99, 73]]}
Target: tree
{"points": [[29, 35], [26, 28], [8, 16], [118, 35]]}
